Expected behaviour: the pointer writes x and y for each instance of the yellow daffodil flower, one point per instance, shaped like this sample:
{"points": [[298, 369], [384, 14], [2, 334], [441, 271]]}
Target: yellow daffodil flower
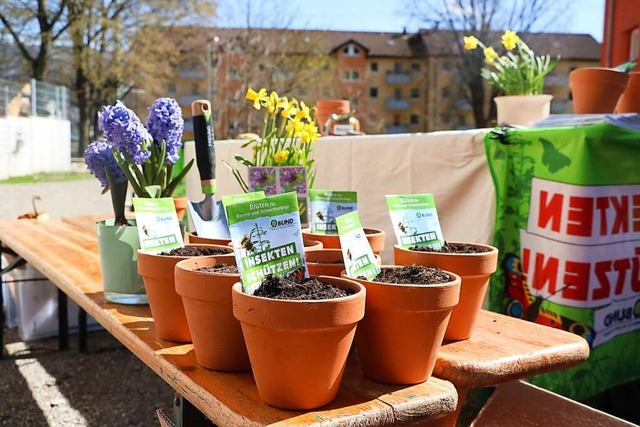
{"points": [[289, 108], [256, 97], [272, 102], [490, 55], [309, 133], [303, 112], [470, 42], [510, 39], [294, 127], [281, 156]]}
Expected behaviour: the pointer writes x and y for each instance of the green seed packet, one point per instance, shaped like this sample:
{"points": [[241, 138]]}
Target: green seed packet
{"points": [[327, 205], [359, 259], [267, 239], [158, 226], [415, 220], [242, 197]]}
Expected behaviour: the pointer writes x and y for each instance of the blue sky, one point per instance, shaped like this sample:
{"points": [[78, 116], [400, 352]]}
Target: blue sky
{"points": [[584, 16]]}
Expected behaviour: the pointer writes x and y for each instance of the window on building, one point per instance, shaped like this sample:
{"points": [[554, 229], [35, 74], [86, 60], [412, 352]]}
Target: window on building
{"points": [[397, 68], [397, 93], [351, 76], [415, 67], [374, 67], [415, 93], [351, 50], [415, 119], [373, 92], [445, 92], [194, 89], [634, 45], [397, 119], [171, 88]]}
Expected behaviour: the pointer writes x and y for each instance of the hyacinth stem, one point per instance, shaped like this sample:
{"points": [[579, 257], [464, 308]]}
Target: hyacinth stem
{"points": [[118, 198]]}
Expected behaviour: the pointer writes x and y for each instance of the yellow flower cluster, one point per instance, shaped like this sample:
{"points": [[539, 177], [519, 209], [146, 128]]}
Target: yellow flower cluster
{"points": [[519, 71], [509, 39]]}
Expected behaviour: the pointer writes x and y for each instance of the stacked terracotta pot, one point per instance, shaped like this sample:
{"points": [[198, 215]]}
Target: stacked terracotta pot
{"points": [[326, 107]]}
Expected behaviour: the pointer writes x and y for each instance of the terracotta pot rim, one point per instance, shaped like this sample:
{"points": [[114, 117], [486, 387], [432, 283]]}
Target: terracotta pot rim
{"points": [[196, 245], [456, 279], [471, 255], [181, 266], [237, 288]]}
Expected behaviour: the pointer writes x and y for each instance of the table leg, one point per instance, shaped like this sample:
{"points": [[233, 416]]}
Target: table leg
{"points": [[187, 415], [82, 330], [63, 321]]}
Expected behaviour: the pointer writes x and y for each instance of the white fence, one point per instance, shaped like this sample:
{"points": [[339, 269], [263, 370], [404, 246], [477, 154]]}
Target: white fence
{"points": [[30, 145]]}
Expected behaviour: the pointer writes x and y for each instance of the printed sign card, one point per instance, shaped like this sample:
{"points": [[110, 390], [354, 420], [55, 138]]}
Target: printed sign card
{"points": [[326, 206], [359, 259], [158, 226], [415, 220]]}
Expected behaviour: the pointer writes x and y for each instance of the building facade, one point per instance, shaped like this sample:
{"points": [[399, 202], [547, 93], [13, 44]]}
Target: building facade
{"points": [[621, 41]]}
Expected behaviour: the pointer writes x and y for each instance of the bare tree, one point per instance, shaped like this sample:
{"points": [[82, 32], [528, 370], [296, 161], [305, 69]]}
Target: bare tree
{"points": [[34, 26], [115, 50], [482, 18]]}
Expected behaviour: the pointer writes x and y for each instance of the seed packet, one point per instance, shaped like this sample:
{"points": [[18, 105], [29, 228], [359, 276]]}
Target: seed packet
{"points": [[415, 220], [267, 239], [359, 259], [326, 206], [158, 226]]}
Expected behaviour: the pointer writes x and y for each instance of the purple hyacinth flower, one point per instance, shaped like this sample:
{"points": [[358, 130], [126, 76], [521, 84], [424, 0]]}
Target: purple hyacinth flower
{"points": [[165, 122], [124, 131], [98, 157]]}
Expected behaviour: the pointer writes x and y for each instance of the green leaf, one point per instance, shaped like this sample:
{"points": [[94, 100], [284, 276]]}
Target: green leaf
{"points": [[626, 67], [243, 160]]}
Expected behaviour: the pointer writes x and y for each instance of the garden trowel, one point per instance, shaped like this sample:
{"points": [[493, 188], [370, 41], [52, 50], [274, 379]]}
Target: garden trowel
{"points": [[208, 215]]}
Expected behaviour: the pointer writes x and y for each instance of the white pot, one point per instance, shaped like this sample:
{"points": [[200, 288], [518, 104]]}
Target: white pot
{"points": [[522, 110]]}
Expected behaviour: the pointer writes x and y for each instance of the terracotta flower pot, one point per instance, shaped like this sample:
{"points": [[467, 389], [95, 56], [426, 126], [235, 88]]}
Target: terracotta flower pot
{"points": [[298, 349], [309, 245], [474, 269], [630, 100], [326, 107], [596, 90], [157, 272], [217, 336], [194, 238], [181, 206], [332, 241], [401, 333], [327, 262]]}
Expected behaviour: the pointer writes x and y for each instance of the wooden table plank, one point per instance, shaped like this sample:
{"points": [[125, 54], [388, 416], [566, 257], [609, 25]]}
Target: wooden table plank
{"points": [[503, 348], [67, 255]]}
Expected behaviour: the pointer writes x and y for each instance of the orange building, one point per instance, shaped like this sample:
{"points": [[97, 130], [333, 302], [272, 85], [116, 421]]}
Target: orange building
{"points": [[621, 42]]}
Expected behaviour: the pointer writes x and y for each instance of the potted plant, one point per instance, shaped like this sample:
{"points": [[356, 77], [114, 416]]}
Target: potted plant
{"points": [[283, 152], [298, 343], [597, 90], [406, 314], [474, 263], [204, 283], [519, 76], [130, 154]]}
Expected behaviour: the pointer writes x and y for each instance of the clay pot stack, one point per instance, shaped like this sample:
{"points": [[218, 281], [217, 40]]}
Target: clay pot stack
{"points": [[326, 107], [596, 90]]}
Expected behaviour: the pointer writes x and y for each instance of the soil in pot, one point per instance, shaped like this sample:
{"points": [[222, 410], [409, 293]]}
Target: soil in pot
{"points": [[219, 268], [454, 248], [278, 287], [406, 316], [190, 251]]}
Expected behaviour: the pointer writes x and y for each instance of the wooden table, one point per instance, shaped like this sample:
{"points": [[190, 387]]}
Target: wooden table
{"points": [[67, 255]]}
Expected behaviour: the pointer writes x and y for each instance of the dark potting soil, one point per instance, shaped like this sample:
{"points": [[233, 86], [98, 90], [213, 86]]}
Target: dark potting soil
{"points": [[278, 287], [194, 251], [453, 248], [370, 231], [219, 268], [413, 275]]}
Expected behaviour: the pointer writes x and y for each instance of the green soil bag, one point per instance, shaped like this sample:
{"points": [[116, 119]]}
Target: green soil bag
{"points": [[568, 230]]}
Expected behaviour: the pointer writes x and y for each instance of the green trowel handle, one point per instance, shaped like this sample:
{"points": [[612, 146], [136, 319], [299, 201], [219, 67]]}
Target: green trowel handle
{"points": [[203, 138]]}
